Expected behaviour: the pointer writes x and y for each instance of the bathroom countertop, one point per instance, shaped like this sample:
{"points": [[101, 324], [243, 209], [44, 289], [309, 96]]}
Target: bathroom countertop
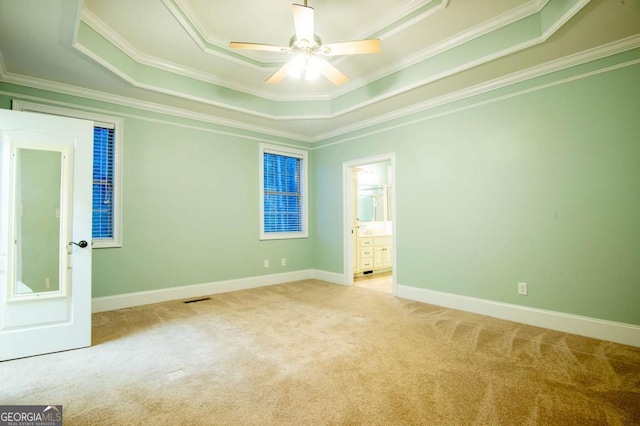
{"points": [[374, 234]]}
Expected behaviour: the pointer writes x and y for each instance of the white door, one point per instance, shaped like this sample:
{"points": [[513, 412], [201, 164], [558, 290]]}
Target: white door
{"points": [[45, 207]]}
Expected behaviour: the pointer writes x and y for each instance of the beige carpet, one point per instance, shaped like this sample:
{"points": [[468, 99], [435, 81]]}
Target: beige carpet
{"points": [[311, 353]]}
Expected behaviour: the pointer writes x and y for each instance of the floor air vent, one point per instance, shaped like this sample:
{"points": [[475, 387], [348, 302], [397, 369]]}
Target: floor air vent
{"points": [[202, 299]]}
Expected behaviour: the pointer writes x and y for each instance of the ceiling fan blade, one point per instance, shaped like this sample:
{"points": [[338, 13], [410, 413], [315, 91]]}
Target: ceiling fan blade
{"points": [[331, 72], [303, 20], [256, 46], [280, 74], [353, 47]]}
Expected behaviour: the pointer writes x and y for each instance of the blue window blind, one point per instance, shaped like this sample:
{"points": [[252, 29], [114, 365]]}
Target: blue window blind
{"points": [[103, 174], [283, 210]]}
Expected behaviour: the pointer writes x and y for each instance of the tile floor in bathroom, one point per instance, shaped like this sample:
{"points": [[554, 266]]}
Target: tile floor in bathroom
{"points": [[379, 282]]}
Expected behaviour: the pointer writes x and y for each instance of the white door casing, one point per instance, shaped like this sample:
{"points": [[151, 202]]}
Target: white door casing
{"points": [[349, 205], [43, 321]]}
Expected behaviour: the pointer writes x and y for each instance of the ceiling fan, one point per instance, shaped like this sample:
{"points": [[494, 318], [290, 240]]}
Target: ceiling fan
{"points": [[308, 51]]}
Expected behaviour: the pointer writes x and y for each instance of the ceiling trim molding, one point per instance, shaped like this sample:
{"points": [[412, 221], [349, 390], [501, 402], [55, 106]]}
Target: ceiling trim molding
{"points": [[77, 107], [456, 40], [392, 23], [181, 11], [580, 58], [382, 35], [471, 64], [192, 27], [81, 92], [486, 102], [563, 20], [188, 21], [131, 51], [324, 109], [158, 89], [215, 49], [400, 19], [3, 68]]}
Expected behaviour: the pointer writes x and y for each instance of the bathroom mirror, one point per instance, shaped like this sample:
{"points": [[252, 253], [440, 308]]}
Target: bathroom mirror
{"points": [[374, 203], [37, 254], [370, 203]]}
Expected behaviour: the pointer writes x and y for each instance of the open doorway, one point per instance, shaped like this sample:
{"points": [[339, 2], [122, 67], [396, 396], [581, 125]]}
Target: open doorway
{"points": [[370, 223]]}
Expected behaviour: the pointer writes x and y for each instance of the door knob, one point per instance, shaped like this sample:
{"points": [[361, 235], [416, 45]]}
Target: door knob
{"points": [[81, 244]]}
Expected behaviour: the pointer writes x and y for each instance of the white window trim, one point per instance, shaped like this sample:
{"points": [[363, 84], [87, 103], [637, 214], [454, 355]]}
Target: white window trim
{"points": [[274, 149], [99, 120]]}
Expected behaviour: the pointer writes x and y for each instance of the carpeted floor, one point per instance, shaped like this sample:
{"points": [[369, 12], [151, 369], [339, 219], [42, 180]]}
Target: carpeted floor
{"points": [[311, 353]]}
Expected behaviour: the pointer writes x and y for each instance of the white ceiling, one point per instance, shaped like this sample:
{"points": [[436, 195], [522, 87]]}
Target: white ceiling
{"points": [[173, 55]]}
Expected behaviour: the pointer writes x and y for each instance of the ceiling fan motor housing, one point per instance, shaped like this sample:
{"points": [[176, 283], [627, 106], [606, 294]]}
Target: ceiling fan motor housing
{"points": [[307, 47]]}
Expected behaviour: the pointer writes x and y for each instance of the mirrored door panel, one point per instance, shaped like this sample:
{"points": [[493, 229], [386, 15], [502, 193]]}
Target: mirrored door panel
{"points": [[37, 260], [38, 194]]}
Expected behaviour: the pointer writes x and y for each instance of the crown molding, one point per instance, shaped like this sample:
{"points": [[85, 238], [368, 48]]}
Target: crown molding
{"points": [[157, 89], [452, 42], [95, 95], [563, 20], [128, 49], [190, 17], [456, 40], [363, 81], [3, 69], [131, 51], [573, 60], [217, 48], [462, 38], [395, 29], [189, 20], [583, 57]]}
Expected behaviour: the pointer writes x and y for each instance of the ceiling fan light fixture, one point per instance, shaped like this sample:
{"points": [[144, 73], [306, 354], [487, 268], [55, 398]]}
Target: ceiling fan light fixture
{"points": [[313, 68], [305, 65], [297, 66]]}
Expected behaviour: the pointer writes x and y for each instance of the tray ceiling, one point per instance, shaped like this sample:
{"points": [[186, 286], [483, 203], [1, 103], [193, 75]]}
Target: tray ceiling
{"points": [[174, 53]]}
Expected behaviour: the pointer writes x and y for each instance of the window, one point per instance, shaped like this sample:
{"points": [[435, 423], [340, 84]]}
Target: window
{"points": [[107, 151], [103, 176], [283, 193]]}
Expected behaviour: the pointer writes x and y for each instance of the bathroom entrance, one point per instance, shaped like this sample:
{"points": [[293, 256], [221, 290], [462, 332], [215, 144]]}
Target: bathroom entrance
{"points": [[370, 222]]}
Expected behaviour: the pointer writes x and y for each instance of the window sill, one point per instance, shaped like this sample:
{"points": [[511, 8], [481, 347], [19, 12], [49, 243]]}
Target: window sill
{"points": [[283, 235], [99, 244]]}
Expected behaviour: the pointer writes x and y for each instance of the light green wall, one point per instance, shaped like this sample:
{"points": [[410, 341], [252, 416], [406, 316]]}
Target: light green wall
{"points": [[190, 204], [191, 213], [542, 187]]}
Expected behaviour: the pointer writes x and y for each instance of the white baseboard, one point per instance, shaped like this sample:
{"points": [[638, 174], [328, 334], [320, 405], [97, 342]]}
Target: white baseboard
{"points": [[110, 303], [626, 334], [330, 277]]}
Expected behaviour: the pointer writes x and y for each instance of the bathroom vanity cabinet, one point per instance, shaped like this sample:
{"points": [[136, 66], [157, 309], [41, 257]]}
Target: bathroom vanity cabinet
{"points": [[374, 254]]}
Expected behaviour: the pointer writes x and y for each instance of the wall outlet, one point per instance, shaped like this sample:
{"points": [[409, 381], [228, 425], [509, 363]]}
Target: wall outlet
{"points": [[266, 263], [283, 262], [47, 282], [522, 289]]}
